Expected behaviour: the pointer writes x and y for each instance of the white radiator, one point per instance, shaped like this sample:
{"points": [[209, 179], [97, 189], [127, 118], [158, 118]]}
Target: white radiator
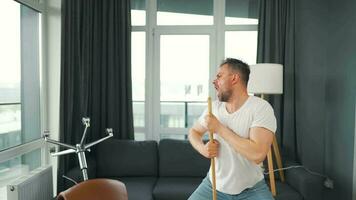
{"points": [[37, 185]]}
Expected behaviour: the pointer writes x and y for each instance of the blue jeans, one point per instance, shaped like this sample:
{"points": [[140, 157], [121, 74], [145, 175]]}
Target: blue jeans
{"points": [[260, 191]]}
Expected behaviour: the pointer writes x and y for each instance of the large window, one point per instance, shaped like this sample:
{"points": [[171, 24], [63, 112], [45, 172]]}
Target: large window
{"points": [[241, 12], [184, 80], [176, 12], [20, 128], [138, 53], [177, 46], [241, 45], [10, 75], [138, 12]]}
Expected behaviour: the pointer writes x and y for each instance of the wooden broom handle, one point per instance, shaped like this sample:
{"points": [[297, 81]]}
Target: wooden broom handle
{"points": [[211, 138]]}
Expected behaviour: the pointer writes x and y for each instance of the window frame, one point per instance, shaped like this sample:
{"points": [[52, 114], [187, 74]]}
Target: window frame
{"points": [[27, 147], [152, 129]]}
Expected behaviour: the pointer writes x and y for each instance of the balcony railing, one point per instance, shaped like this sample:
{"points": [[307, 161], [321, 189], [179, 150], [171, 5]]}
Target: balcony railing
{"points": [[174, 114], [10, 124]]}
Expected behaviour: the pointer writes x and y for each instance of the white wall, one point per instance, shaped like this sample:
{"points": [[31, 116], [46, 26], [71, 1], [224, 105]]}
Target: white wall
{"points": [[52, 49]]}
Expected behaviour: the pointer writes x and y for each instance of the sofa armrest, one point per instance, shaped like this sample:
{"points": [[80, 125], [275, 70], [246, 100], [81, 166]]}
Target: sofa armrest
{"points": [[308, 185], [76, 174]]}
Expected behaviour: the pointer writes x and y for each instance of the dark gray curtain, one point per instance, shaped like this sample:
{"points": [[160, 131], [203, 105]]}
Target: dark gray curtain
{"points": [[276, 45], [95, 73]]}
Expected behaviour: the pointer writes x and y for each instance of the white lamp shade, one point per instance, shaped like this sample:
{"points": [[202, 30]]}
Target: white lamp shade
{"points": [[266, 78]]}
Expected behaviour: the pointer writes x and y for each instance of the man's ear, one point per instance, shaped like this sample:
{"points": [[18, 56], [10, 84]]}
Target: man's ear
{"points": [[235, 78]]}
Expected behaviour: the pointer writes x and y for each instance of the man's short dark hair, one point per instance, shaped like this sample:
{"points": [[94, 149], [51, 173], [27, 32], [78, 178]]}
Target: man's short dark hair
{"points": [[242, 68]]}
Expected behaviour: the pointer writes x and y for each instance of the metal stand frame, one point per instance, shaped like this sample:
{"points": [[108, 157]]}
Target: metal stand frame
{"points": [[80, 148]]}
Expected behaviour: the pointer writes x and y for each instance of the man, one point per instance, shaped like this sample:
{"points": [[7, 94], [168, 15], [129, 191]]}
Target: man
{"points": [[243, 128]]}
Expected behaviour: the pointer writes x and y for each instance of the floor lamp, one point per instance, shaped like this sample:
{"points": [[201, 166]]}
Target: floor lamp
{"points": [[267, 78]]}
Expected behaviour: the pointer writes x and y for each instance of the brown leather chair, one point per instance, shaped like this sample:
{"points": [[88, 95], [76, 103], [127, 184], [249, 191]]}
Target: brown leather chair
{"points": [[95, 189]]}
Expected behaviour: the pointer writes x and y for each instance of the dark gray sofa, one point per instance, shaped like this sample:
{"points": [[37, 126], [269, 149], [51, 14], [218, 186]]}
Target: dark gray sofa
{"points": [[172, 169]]}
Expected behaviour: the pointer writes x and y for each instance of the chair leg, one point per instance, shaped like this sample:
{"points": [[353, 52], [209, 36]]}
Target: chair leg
{"points": [[278, 158], [271, 173]]}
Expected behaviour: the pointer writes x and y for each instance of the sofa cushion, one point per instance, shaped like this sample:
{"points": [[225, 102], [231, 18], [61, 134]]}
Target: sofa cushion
{"points": [[139, 188], [178, 158], [124, 158], [308, 185], [285, 192], [176, 188]]}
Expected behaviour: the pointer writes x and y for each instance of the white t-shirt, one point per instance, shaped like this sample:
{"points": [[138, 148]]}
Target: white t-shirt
{"points": [[234, 173]]}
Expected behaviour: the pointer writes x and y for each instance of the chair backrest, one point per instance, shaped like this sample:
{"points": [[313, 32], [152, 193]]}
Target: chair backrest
{"points": [[96, 189]]}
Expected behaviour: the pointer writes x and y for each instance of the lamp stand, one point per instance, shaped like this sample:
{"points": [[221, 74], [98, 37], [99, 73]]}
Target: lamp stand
{"points": [[270, 163]]}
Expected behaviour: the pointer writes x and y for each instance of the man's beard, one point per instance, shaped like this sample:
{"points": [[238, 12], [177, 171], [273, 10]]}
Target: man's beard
{"points": [[225, 96]]}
